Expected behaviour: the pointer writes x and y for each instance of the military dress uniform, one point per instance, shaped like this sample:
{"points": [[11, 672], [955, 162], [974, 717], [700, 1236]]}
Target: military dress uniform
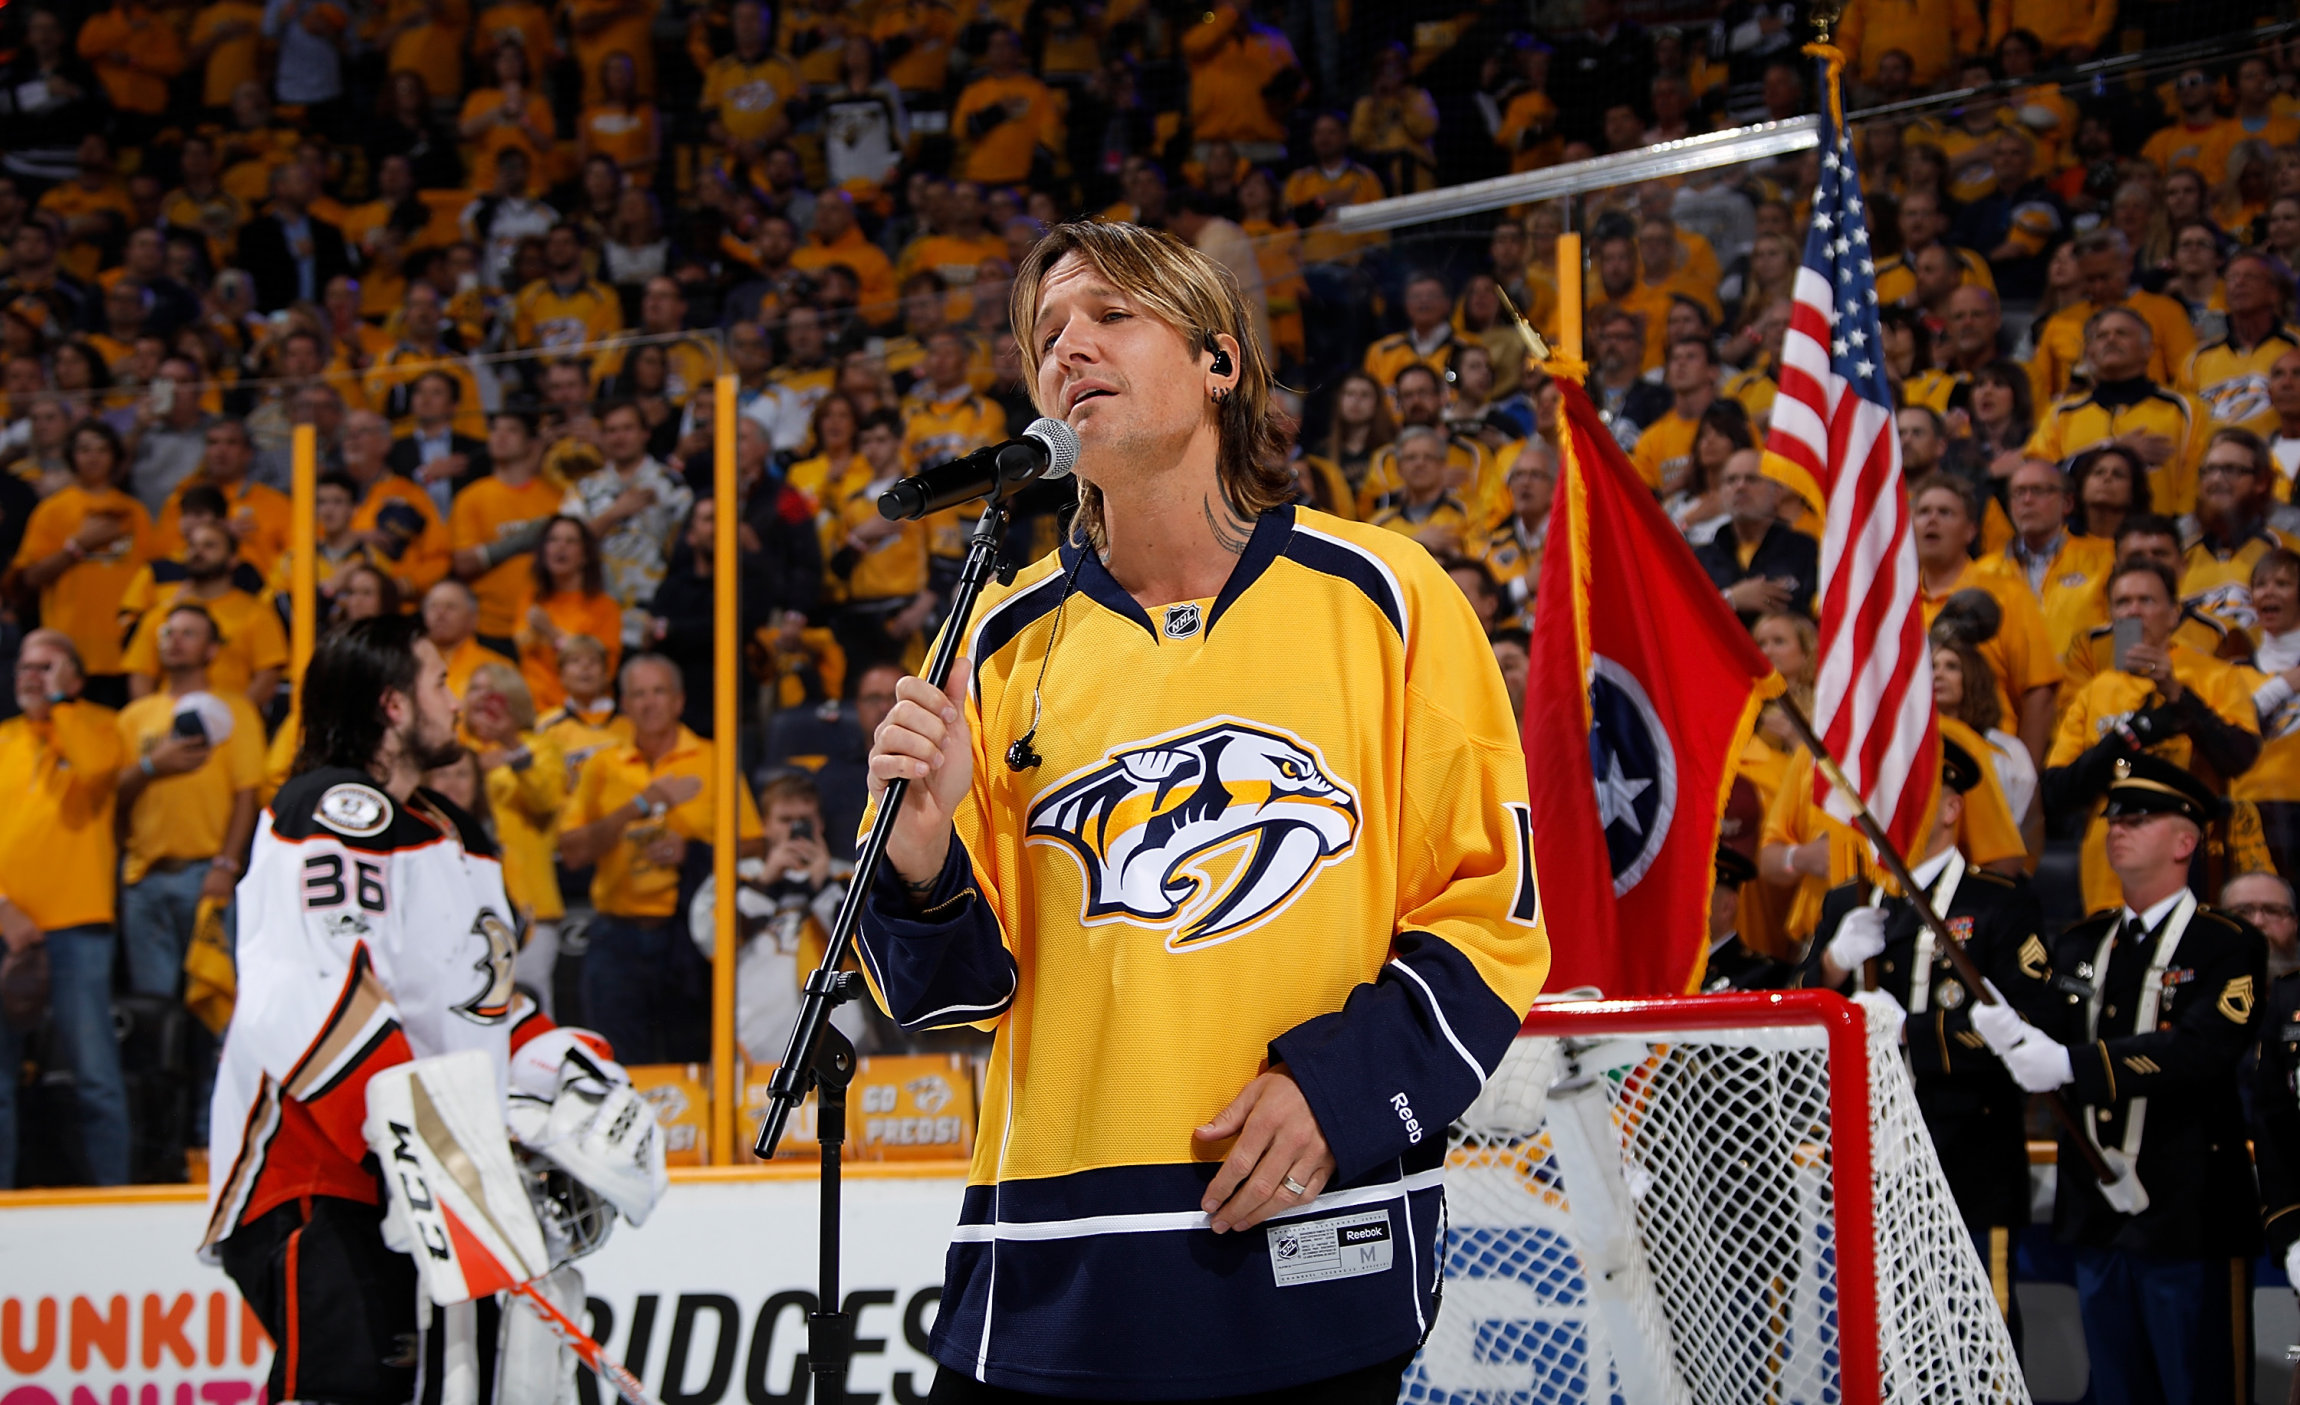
{"points": [[2158, 1009], [1971, 1105], [2276, 1117], [1973, 1110], [1732, 963]]}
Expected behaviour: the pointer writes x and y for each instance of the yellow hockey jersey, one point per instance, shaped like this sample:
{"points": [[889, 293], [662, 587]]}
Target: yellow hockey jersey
{"points": [[2276, 775], [2233, 380], [545, 318], [2106, 704], [1238, 851], [2080, 422], [2073, 594], [937, 429], [2216, 576], [1473, 474]]}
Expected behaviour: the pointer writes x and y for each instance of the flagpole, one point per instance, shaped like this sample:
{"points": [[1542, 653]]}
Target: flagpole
{"points": [[1943, 940], [1568, 296]]}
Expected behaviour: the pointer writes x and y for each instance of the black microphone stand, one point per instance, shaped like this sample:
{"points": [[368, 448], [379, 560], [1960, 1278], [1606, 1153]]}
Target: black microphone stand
{"points": [[818, 1055]]}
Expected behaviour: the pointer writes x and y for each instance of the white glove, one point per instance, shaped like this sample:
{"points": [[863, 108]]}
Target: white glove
{"points": [[2038, 1064], [2292, 1264], [2125, 1195], [2002, 1027], [1860, 936]]}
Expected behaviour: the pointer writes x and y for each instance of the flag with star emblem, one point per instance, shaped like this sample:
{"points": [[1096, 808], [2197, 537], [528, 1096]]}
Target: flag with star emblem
{"points": [[1833, 424], [1642, 691]]}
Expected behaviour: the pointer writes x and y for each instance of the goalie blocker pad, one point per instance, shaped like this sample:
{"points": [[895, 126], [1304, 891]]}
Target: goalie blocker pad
{"points": [[459, 1206]]}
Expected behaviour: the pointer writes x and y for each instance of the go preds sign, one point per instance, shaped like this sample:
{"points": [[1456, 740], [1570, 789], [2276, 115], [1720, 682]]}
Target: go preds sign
{"points": [[103, 1303]]}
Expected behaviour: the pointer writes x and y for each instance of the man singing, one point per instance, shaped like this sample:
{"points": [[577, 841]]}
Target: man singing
{"points": [[1243, 887]]}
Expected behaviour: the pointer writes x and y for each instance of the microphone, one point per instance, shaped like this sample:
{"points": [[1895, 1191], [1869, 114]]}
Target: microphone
{"points": [[1047, 449]]}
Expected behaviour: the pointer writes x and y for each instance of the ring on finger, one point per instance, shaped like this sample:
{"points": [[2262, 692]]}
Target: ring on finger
{"points": [[1293, 1187]]}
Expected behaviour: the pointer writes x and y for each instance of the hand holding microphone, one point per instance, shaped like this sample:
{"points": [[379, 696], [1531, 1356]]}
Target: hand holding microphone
{"points": [[924, 741]]}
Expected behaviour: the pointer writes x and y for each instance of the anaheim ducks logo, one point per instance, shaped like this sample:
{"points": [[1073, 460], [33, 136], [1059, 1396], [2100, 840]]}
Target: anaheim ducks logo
{"points": [[493, 1002], [1203, 835]]}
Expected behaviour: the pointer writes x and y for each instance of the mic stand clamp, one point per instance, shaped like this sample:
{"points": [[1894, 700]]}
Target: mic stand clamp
{"points": [[817, 1055]]}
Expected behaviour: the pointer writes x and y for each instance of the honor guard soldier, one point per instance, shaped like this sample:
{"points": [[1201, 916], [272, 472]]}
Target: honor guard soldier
{"points": [[2276, 1123], [1971, 1106], [1733, 963], [2154, 1009]]}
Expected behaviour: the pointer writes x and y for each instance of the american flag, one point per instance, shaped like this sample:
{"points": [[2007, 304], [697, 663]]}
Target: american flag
{"points": [[1833, 420]]}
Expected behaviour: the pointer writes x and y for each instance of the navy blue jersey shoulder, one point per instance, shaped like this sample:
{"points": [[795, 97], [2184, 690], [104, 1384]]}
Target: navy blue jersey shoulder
{"points": [[1332, 557], [1014, 614]]}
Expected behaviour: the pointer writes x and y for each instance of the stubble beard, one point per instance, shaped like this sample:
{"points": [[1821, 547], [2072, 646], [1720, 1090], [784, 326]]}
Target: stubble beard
{"points": [[432, 756]]}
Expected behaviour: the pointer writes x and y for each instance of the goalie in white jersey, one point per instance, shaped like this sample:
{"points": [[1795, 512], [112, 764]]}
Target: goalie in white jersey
{"points": [[377, 1040]]}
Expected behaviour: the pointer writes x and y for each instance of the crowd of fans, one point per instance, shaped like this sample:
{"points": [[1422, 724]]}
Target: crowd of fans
{"points": [[495, 258]]}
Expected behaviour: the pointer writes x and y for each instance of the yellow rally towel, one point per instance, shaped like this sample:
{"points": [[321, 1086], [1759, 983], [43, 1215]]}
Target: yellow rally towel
{"points": [[211, 980]]}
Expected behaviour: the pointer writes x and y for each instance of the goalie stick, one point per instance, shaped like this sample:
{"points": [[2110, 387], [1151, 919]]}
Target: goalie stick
{"points": [[458, 1202], [587, 1351]]}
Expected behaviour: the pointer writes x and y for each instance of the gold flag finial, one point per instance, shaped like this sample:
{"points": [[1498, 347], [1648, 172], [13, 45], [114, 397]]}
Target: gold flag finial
{"points": [[1549, 360], [1534, 345], [1825, 13]]}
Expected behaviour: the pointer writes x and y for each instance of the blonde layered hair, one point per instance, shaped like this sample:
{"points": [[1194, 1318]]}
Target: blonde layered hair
{"points": [[1199, 299], [505, 681]]}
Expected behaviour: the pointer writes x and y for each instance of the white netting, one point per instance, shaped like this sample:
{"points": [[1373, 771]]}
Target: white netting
{"points": [[1699, 1267]]}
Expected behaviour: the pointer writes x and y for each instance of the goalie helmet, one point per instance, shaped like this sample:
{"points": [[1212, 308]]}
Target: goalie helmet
{"points": [[576, 1219]]}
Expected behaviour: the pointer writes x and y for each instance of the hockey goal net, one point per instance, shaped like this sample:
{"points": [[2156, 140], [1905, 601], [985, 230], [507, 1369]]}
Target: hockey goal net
{"points": [[1718, 1198]]}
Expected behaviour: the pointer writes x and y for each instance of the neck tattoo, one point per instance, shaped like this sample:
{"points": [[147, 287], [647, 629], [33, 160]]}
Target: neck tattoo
{"points": [[1230, 533]]}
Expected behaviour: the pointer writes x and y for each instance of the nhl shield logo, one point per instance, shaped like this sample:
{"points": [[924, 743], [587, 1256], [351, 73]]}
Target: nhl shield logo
{"points": [[1182, 620]]}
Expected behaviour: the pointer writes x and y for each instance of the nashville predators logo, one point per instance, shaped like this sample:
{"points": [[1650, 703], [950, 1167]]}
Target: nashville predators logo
{"points": [[1204, 835], [2230, 603]]}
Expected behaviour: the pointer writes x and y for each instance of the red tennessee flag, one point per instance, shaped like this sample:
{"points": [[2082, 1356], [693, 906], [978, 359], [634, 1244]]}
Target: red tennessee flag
{"points": [[1643, 688]]}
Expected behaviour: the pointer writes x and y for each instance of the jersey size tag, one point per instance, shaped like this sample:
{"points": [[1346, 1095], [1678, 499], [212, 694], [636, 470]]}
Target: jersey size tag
{"points": [[1316, 1251]]}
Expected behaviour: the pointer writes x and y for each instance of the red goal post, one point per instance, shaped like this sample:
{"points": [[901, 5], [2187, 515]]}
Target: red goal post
{"points": [[1759, 1217]]}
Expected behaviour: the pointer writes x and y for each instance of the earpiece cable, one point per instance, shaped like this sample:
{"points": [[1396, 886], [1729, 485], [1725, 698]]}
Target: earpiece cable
{"points": [[1022, 756]]}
